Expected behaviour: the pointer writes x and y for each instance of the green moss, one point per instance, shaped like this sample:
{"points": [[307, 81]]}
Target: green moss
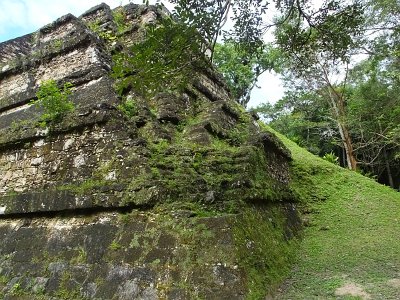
{"points": [[67, 294], [134, 242], [184, 171], [67, 290], [93, 183], [3, 279], [262, 249], [124, 218], [84, 187], [18, 130], [16, 290], [115, 245], [81, 257]]}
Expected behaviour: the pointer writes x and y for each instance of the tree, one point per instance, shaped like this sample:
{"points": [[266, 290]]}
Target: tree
{"points": [[205, 21], [300, 119], [241, 71], [374, 108], [315, 56], [364, 99]]}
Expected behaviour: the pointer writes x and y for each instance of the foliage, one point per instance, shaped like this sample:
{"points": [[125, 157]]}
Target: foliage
{"points": [[374, 108], [318, 49], [360, 97], [172, 47], [208, 17], [328, 27], [54, 101], [303, 119], [119, 17], [330, 32], [128, 108], [241, 70], [162, 62], [331, 157]]}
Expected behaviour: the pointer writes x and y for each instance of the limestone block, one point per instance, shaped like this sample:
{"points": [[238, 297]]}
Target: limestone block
{"points": [[11, 85], [80, 161], [58, 32], [36, 161], [68, 144]]}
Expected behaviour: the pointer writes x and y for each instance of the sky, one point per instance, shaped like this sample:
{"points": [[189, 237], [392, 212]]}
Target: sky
{"points": [[20, 17]]}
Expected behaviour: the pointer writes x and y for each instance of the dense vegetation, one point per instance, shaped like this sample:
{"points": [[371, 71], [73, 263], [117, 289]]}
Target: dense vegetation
{"points": [[339, 62], [347, 105], [340, 65]]}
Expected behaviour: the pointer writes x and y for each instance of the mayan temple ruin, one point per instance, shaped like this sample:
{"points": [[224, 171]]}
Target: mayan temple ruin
{"points": [[170, 202]]}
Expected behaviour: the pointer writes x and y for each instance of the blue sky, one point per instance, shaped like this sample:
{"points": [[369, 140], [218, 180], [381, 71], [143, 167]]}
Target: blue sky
{"points": [[20, 17]]}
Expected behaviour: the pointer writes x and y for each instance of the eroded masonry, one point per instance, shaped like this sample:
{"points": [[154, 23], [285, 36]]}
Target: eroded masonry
{"points": [[172, 202]]}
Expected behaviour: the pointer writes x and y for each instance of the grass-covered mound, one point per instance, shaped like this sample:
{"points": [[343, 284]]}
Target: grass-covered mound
{"points": [[351, 245]]}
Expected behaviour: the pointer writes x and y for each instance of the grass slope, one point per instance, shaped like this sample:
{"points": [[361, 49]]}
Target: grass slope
{"points": [[351, 244]]}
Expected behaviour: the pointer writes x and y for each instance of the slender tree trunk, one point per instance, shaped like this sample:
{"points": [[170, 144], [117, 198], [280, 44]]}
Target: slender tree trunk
{"points": [[337, 104], [348, 146]]}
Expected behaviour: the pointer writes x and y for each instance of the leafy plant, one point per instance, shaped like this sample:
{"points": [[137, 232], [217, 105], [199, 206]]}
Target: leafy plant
{"points": [[57, 44], [164, 61], [55, 101], [128, 108], [16, 290], [120, 20], [332, 158], [105, 35]]}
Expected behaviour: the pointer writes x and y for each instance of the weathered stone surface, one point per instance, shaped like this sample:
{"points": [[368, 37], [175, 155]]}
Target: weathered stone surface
{"points": [[163, 202], [64, 51], [115, 256]]}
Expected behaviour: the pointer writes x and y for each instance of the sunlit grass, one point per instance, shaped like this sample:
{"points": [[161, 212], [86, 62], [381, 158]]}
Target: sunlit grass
{"points": [[352, 234]]}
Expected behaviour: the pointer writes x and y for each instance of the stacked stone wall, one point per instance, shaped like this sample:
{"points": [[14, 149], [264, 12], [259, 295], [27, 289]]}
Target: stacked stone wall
{"points": [[154, 204]]}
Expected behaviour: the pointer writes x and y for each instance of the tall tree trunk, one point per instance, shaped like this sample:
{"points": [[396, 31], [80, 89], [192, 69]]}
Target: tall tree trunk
{"points": [[337, 101], [338, 107], [348, 146]]}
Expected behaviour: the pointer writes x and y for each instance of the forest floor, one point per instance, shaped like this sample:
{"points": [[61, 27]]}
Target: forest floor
{"points": [[350, 247]]}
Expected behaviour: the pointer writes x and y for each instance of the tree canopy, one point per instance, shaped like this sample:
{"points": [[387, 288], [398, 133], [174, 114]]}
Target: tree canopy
{"points": [[353, 96]]}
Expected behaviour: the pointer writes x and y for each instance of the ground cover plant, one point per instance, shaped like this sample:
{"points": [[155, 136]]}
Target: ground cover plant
{"points": [[351, 245]]}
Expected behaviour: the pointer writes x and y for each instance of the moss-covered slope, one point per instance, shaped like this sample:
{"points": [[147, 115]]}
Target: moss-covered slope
{"points": [[351, 244]]}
